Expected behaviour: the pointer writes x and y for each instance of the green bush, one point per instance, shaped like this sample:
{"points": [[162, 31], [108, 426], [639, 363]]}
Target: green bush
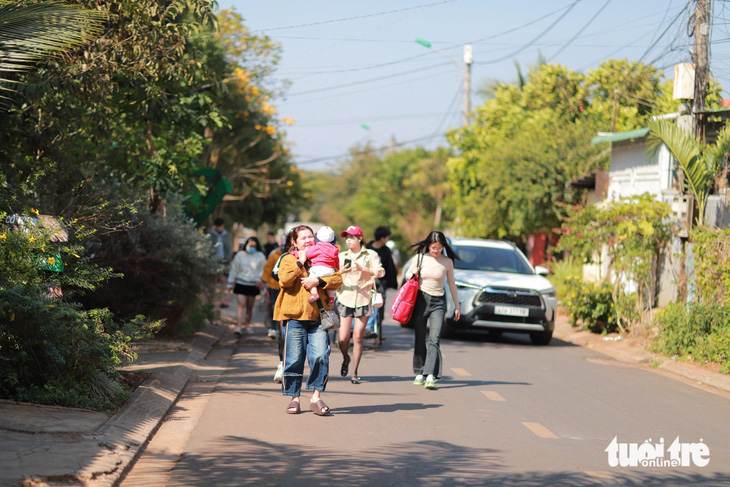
{"points": [[560, 271], [695, 331], [590, 306], [712, 265], [166, 263], [51, 350]]}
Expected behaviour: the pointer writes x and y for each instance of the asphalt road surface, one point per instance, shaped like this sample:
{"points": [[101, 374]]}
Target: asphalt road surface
{"points": [[505, 413]]}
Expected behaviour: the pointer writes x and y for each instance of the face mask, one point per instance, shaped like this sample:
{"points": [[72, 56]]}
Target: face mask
{"points": [[251, 250]]}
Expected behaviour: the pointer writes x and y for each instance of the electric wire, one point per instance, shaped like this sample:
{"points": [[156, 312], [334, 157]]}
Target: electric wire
{"points": [[536, 38], [585, 26], [345, 19]]}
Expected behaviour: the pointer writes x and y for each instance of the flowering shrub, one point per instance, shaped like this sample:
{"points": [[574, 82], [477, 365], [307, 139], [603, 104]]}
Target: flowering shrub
{"points": [[590, 305], [53, 351], [634, 231]]}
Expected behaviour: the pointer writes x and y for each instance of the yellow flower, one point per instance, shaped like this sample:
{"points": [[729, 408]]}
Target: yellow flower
{"points": [[3, 236], [75, 255], [51, 260], [270, 129], [32, 239], [290, 183], [33, 210], [12, 317]]}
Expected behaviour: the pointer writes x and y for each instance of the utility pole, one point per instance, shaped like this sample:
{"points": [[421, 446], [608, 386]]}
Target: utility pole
{"points": [[701, 59], [468, 59]]}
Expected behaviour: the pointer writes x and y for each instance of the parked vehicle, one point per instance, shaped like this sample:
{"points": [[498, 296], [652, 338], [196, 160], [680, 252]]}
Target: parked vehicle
{"points": [[499, 291]]}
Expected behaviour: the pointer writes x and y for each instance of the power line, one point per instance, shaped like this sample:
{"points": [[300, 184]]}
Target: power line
{"points": [[345, 85], [536, 38], [345, 19], [585, 26]]}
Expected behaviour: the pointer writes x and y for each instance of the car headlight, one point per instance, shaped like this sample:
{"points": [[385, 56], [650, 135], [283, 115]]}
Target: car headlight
{"points": [[550, 293]]}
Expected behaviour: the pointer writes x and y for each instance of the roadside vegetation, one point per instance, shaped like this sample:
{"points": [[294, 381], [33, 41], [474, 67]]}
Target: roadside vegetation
{"points": [[114, 141], [120, 140]]}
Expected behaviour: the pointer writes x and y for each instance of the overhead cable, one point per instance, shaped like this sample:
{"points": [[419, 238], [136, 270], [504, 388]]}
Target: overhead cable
{"points": [[585, 26], [345, 19]]}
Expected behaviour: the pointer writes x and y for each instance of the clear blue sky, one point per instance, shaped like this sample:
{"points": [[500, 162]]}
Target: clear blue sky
{"points": [[352, 63]]}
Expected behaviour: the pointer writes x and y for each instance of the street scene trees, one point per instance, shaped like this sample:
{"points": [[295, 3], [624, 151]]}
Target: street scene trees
{"points": [[107, 139], [137, 122]]}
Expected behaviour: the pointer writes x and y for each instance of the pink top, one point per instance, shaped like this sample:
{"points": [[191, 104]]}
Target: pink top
{"points": [[324, 254]]}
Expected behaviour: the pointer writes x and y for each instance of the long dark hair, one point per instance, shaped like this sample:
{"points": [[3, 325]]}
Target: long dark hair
{"points": [[435, 237], [291, 238], [256, 243]]}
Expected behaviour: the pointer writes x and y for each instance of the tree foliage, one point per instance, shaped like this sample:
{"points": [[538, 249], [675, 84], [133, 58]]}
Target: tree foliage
{"points": [[509, 176]]}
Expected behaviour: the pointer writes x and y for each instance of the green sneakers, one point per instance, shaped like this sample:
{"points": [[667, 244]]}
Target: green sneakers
{"points": [[418, 380], [430, 383]]}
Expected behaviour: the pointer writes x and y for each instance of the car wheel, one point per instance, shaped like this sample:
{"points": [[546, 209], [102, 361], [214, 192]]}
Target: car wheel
{"points": [[541, 337]]}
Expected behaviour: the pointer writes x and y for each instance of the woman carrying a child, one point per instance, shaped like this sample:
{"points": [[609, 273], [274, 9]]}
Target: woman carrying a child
{"points": [[359, 267], [305, 337]]}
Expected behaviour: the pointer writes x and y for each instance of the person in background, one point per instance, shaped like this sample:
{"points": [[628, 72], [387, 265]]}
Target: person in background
{"points": [[430, 308], [270, 244], [275, 326], [305, 337], [223, 250], [382, 284], [359, 268], [245, 280]]}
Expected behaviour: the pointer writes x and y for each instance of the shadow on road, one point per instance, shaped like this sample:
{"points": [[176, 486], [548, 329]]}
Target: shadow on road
{"points": [[430, 463]]}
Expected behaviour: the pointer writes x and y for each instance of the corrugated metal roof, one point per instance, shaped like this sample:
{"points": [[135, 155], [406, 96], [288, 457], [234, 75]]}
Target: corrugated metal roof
{"points": [[618, 136]]}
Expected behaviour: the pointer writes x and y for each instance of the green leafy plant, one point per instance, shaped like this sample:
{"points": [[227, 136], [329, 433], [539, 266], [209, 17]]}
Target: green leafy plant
{"points": [[590, 305], [561, 271], [712, 265], [166, 263], [695, 331], [54, 351], [634, 232]]}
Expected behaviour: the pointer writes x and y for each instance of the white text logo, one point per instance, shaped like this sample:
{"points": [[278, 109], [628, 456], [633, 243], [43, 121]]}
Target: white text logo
{"points": [[650, 454]]}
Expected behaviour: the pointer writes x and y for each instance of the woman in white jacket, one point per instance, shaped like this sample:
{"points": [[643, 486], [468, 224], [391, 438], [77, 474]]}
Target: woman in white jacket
{"points": [[245, 280]]}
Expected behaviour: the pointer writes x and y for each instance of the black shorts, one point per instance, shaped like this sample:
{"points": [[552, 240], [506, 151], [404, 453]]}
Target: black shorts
{"points": [[246, 290]]}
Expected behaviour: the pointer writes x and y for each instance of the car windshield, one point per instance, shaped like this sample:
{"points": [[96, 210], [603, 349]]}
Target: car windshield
{"points": [[490, 259]]}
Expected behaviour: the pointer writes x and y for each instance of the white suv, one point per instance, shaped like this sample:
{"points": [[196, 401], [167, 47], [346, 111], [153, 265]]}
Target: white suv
{"points": [[500, 291]]}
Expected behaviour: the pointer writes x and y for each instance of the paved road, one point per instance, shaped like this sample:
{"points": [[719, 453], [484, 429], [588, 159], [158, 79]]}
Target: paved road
{"points": [[506, 413]]}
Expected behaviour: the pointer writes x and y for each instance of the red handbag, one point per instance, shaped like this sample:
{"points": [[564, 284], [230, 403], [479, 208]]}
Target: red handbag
{"points": [[405, 300]]}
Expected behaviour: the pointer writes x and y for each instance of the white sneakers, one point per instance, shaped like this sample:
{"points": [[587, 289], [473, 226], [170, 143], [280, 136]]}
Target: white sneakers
{"points": [[279, 375], [418, 381], [271, 333], [430, 382], [237, 331]]}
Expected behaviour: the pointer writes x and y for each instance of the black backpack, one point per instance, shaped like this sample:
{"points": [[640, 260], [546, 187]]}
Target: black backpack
{"points": [[275, 270]]}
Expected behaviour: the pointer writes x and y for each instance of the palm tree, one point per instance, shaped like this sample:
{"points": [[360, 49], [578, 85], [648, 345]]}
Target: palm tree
{"points": [[702, 164], [30, 32]]}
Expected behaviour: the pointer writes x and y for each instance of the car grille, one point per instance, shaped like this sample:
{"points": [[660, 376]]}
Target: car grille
{"points": [[506, 296]]}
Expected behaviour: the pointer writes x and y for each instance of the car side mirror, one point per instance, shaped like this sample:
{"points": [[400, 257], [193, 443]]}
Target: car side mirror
{"points": [[542, 271]]}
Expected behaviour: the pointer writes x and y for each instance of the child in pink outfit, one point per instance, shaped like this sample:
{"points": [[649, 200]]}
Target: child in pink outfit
{"points": [[325, 259]]}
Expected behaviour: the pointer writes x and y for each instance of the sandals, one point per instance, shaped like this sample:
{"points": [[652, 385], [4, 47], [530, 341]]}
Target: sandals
{"points": [[293, 407], [320, 408], [355, 380], [345, 365]]}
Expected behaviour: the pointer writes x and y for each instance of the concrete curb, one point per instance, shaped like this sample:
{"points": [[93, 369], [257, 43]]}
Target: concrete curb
{"points": [[91, 451], [129, 430]]}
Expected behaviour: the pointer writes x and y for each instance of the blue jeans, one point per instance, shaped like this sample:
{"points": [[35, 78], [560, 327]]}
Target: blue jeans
{"points": [[427, 351], [305, 339]]}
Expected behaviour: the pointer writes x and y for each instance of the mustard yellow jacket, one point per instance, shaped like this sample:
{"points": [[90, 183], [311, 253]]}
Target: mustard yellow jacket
{"points": [[292, 302]]}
